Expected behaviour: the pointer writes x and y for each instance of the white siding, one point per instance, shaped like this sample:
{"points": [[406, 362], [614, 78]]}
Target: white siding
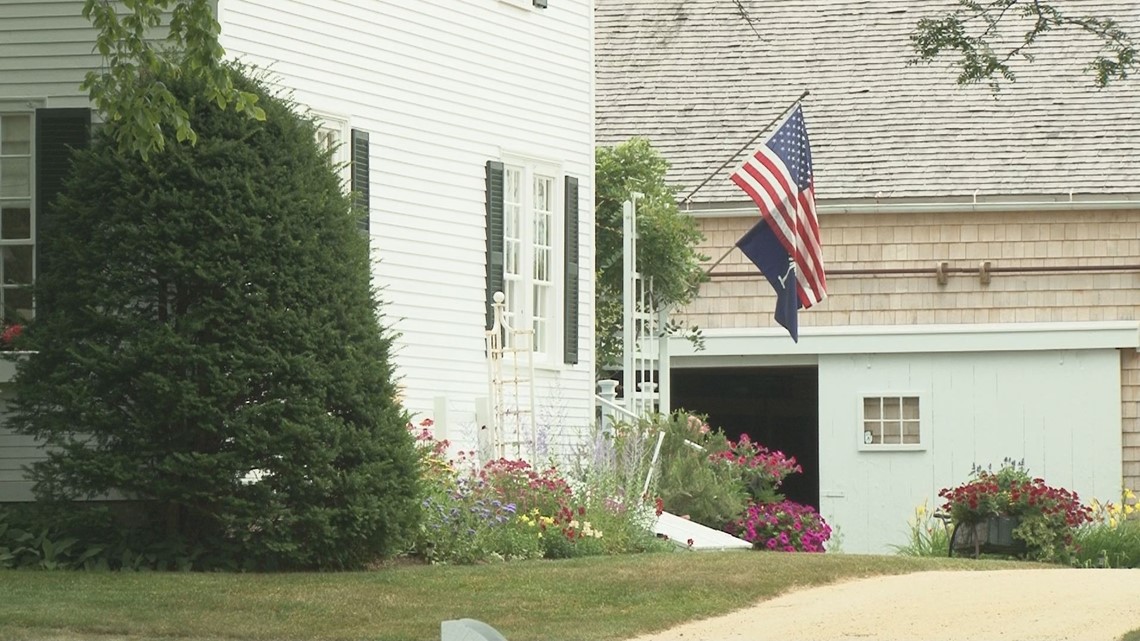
{"points": [[45, 51], [444, 87], [46, 48], [1059, 410], [16, 453]]}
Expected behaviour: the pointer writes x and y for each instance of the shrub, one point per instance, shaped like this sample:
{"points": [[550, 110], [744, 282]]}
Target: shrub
{"points": [[712, 479], [783, 527], [761, 470], [691, 481], [1048, 515], [209, 348]]}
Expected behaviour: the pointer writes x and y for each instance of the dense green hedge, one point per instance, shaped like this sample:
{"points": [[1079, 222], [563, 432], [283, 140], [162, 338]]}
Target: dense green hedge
{"points": [[206, 313]]}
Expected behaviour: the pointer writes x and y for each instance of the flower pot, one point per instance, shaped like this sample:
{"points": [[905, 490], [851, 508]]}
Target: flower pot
{"points": [[991, 536]]}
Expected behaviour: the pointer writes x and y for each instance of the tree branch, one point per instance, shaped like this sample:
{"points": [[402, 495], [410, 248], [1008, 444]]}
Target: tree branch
{"points": [[951, 33]]}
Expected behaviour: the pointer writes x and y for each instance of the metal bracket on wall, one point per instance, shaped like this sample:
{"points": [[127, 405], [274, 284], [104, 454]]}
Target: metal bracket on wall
{"points": [[984, 272], [940, 272]]}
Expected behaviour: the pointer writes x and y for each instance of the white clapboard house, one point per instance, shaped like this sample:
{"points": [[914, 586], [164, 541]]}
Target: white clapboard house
{"points": [[468, 127]]}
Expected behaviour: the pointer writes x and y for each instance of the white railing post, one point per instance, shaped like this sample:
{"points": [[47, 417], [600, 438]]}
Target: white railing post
{"points": [[607, 391], [664, 379], [629, 301]]}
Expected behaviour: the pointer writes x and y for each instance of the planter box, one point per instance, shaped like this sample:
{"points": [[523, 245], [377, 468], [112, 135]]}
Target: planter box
{"points": [[992, 536]]}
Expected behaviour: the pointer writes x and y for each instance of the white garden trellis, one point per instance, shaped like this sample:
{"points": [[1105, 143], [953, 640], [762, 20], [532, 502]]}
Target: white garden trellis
{"points": [[645, 343], [510, 362]]}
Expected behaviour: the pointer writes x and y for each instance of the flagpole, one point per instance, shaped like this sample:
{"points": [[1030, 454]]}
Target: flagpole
{"points": [[746, 146], [708, 271]]}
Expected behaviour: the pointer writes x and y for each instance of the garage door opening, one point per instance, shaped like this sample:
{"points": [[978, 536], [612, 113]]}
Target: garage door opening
{"points": [[777, 407]]}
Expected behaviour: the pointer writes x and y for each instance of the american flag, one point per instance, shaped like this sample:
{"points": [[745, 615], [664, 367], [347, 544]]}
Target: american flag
{"points": [[784, 243], [778, 178]]}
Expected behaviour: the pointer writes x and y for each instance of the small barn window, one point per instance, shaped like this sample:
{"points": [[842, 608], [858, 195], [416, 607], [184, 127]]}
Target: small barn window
{"points": [[891, 422]]}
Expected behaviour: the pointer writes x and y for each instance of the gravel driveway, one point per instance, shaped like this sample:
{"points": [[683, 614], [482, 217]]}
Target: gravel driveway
{"points": [[1006, 605]]}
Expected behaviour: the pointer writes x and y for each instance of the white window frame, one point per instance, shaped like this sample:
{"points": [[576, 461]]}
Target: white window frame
{"points": [[521, 4], [333, 131], [923, 421], [28, 109], [520, 289]]}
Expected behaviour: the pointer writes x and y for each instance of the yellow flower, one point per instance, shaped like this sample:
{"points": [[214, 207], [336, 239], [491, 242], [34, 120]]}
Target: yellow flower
{"points": [[921, 510], [1112, 522]]}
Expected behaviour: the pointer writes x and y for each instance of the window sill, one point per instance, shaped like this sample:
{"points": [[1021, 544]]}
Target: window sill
{"points": [[920, 447], [8, 364]]}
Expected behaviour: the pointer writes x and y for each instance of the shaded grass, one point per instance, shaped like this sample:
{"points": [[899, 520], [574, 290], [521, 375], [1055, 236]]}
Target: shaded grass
{"points": [[1132, 636], [588, 598]]}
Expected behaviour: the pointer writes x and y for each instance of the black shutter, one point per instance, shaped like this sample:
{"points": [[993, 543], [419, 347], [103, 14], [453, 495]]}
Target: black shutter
{"points": [[570, 274], [58, 131], [494, 235], [359, 166]]}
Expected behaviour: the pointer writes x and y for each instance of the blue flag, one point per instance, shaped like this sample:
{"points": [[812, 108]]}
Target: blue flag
{"points": [[762, 247]]}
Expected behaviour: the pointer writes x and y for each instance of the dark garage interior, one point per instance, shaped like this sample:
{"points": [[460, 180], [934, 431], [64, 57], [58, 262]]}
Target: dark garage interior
{"points": [[778, 407]]}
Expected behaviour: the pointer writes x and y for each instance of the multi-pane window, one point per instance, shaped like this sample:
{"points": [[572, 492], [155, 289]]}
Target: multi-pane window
{"points": [[17, 238], [332, 134], [529, 257], [891, 421]]}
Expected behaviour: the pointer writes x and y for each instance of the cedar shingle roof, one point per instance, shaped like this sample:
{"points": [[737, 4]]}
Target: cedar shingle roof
{"points": [[691, 76]]}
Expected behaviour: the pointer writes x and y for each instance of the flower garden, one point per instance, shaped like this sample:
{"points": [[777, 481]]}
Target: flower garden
{"points": [[595, 505]]}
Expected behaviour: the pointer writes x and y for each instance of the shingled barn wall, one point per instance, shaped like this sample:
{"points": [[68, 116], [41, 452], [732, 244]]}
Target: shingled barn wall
{"points": [[1067, 242]]}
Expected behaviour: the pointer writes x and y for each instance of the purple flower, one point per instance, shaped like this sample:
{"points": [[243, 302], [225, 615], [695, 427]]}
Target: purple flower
{"points": [[771, 544]]}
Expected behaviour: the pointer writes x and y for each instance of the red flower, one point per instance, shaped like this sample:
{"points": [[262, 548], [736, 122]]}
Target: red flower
{"points": [[660, 505], [10, 334], [690, 542]]}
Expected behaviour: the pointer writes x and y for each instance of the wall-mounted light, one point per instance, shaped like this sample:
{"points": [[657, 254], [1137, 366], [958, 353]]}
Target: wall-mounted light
{"points": [[541, 4]]}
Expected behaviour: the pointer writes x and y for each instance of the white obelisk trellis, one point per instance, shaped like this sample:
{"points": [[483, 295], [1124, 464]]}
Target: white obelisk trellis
{"points": [[510, 361], [645, 348]]}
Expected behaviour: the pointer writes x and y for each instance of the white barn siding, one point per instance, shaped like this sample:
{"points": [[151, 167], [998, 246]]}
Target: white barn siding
{"points": [[45, 51], [443, 88], [1059, 410]]}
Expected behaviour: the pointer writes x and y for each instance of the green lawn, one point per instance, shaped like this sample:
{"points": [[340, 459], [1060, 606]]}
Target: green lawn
{"points": [[590, 598]]}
